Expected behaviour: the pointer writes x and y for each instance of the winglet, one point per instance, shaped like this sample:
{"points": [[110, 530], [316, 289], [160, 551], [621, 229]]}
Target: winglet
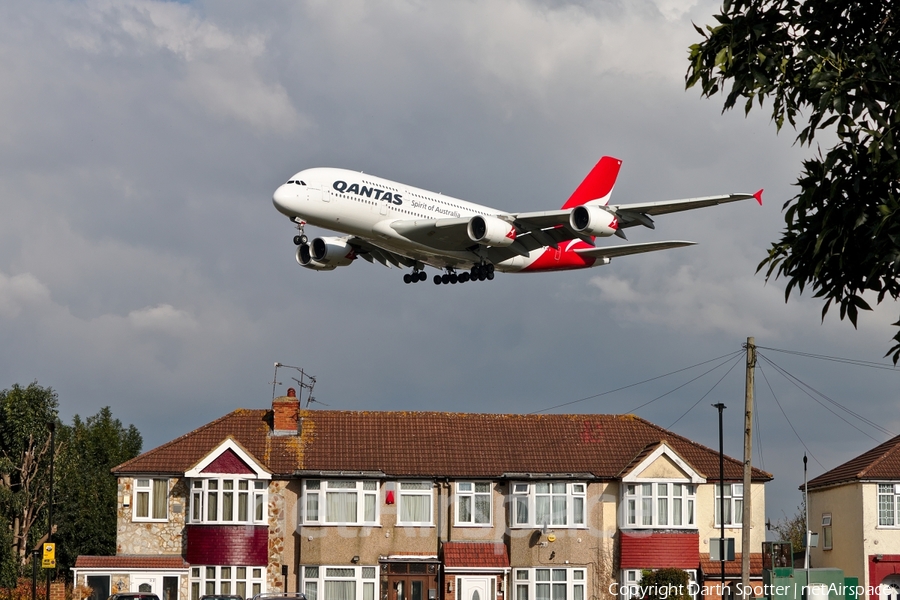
{"points": [[758, 196]]}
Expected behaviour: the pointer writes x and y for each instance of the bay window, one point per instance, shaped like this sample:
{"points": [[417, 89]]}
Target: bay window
{"points": [[228, 500], [550, 584], [226, 580], [550, 504], [668, 504], [339, 583]]}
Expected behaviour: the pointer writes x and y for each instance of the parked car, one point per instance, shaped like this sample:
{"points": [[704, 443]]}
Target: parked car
{"points": [[222, 597], [280, 596], [133, 596]]}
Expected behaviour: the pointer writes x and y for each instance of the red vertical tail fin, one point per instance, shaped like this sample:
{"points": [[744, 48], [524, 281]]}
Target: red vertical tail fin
{"points": [[598, 185]]}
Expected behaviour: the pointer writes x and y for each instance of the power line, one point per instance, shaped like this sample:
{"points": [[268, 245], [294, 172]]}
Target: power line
{"points": [[731, 354], [682, 385], [706, 394], [762, 371], [850, 361], [799, 384]]}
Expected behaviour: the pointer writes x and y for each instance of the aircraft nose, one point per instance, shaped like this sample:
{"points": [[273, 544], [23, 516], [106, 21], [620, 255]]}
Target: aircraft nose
{"points": [[283, 198]]}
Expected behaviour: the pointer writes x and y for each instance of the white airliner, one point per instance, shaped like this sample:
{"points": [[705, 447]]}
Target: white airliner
{"points": [[400, 225]]}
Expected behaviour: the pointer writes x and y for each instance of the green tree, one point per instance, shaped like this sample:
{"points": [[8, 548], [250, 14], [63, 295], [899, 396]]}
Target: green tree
{"points": [[666, 584], [791, 529], [87, 515], [833, 65], [24, 462]]}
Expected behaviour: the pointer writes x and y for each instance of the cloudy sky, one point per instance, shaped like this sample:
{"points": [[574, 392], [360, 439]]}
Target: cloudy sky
{"points": [[143, 267]]}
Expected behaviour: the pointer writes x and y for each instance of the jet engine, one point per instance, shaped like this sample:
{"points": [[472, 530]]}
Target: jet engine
{"points": [[305, 259], [593, 220], [325, 254], [491, 231], [332, 251]]}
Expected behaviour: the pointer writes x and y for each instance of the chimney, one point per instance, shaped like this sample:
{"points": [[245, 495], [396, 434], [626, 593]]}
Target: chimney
{"points": [[285, 413]]}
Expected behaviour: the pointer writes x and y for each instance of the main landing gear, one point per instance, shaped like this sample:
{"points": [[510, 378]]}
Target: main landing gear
{"points": [[300, 238], [478, 273], [415, 277]]}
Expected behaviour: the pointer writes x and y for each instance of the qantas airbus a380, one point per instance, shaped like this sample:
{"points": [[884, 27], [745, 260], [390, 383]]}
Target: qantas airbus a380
{"points": [[404, 226]]}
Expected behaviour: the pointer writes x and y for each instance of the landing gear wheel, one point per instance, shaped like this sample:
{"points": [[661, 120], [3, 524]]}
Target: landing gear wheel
{"points": [[445, 278], [407, 278], [454, 277], [490, 268], [299, 240], [437, 280], [463, 277], [490, 275], [422, 276]]}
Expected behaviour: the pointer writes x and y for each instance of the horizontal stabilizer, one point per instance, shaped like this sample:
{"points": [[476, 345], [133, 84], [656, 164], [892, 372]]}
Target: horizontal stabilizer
{"points": [[626, 249]]}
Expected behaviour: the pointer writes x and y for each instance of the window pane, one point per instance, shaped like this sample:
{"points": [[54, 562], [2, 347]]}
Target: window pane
{"points": [[369, 508], [415, 485], [483, 487], [340, 590], [368, 572], [341, 485], [368, 591], [542, 510], [142, 505], [340, 508], [662, 512], [559, 488], [415, 508], [542, 575], [647, 511], [559, 510], [542, 591], [465, 509], [521, 510], [242, 508], [312, 507], [885, 505], [370, 486], [241, 589], [464, 486], [482, 509], [227, 505], [738, 511], [559, 591], [212, 507], [676, 511], [631, 512], [521, 592], [338, 572], [311, 590], [258, 511], [160, 498]]}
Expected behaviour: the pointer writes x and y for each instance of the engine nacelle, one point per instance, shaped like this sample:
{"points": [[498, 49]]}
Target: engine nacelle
{"points": [[491, 231], [332, 251], [593, 220], [305, 259]]}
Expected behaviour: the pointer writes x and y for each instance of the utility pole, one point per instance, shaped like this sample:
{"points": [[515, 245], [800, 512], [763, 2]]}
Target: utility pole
{"points": [[746, 518]]}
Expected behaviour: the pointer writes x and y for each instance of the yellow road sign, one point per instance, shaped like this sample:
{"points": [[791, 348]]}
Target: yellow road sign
{"points": [[49, 560]]}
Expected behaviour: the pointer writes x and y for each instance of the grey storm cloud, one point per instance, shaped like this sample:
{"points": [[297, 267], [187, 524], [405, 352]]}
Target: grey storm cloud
{"points": [[142, 265]]}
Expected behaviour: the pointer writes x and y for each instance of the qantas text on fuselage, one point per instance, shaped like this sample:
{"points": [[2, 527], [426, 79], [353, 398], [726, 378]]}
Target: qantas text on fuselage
{"points": [[400, 225]]}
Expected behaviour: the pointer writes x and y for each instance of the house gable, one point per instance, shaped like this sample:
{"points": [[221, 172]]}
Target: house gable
{"points": [[229, 457], [663, 463]]}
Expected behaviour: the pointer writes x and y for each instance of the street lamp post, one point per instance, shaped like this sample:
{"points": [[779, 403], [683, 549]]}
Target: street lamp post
{"points": [[720, 407]]}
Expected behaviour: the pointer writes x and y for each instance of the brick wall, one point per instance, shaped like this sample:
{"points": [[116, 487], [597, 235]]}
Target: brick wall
{"points": [[227, 545]]}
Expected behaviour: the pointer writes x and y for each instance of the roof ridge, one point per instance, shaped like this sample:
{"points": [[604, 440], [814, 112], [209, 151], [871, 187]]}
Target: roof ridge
{"points": [[895, 443]]}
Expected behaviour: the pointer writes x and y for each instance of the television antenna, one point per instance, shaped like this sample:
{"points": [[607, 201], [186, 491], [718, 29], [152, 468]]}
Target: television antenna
{"points": [[305, 382]]}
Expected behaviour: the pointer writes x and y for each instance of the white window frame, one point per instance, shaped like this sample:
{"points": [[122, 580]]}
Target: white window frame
{"points": [[525, 497], [469, 493], [314, 578], [314, 504], [571, 579], [734, 495], [150, 487], [407, 490], [827, 532], [225, 580], [211, 495], [655, 504], [888, 506]]}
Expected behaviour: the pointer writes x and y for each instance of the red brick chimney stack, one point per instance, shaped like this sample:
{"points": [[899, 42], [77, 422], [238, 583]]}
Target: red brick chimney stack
{"points": [[285, 414]]}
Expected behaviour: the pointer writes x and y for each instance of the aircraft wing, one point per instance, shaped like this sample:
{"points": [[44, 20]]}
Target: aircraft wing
{"points": [[372, 253], [626, 249], [639, 213]]}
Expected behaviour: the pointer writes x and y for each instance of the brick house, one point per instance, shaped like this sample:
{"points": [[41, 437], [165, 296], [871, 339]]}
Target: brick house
{"points": [[416, 506], [855, 508]]}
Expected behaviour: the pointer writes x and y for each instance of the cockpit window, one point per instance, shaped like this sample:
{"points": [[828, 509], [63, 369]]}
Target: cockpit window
{"points": [[291, 181], [298, 182]]}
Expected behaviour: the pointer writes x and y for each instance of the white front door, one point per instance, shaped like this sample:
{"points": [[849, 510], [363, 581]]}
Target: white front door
{"points": [[475, 588], [889, 588], [146, 585]]}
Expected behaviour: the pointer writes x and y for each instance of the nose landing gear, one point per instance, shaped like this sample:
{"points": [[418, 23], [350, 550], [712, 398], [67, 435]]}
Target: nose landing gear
{"points": [[300, 238]]}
